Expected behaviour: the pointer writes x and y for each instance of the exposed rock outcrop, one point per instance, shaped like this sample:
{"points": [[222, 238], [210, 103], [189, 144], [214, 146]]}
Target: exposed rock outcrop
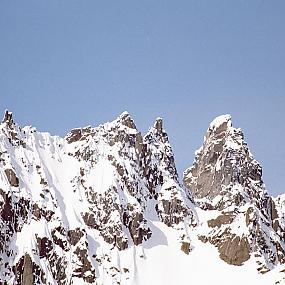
{"points": [[12, 178], [92, 207], [226, 177]]}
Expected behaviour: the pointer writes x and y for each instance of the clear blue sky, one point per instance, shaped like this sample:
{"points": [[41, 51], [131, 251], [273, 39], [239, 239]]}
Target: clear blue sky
{"points": [[65, 64]]}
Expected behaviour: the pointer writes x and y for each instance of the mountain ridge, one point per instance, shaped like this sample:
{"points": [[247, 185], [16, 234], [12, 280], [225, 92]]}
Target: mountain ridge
{"points": [[98, 206]]}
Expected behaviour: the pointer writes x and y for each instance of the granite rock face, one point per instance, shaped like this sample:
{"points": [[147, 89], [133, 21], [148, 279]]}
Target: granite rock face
{"points": [[223, 161], [69, 204], [226, 179], [85, 209]]}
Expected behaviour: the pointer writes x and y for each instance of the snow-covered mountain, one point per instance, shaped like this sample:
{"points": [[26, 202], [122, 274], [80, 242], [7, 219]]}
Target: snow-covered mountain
{"points": [[105, 206]]}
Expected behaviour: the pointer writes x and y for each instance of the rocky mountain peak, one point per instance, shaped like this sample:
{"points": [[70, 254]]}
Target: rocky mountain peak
{"points": [[221, 123], [157, 134], [226, 178], [8, 118], [104, 205], [126, 120], [223, 161], [158, 125], [11, 131], [221, 131]]}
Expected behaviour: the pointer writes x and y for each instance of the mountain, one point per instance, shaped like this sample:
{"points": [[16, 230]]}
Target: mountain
{"points": [[104, 205]]}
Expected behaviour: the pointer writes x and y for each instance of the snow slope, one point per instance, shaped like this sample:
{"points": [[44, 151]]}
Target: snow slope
{"points": [[104, 206]]}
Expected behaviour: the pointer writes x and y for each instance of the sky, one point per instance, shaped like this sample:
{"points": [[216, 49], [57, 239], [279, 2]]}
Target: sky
{"points": [[67, 64]]}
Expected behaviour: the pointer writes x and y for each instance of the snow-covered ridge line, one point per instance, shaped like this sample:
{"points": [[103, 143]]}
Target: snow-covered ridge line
{"points": [[104, 206]]}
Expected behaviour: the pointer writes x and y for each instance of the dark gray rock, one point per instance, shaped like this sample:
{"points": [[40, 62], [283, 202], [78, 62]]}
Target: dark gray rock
{"points": [[12, 178]]}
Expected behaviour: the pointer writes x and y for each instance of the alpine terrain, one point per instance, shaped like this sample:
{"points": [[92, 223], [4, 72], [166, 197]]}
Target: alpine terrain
{"points": [[104, 205]]}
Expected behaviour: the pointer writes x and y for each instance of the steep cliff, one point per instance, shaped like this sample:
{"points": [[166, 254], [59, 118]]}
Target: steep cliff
{"points": [[104, 205]]}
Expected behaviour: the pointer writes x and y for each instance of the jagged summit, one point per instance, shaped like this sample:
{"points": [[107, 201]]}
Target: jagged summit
{"points": [[223, 120], [158, 125], [104, 205], [157, 132], [223, 160], [126, 119], [124, 124], [124, 114], [8, 118], [220, 126], [226, 177]]}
